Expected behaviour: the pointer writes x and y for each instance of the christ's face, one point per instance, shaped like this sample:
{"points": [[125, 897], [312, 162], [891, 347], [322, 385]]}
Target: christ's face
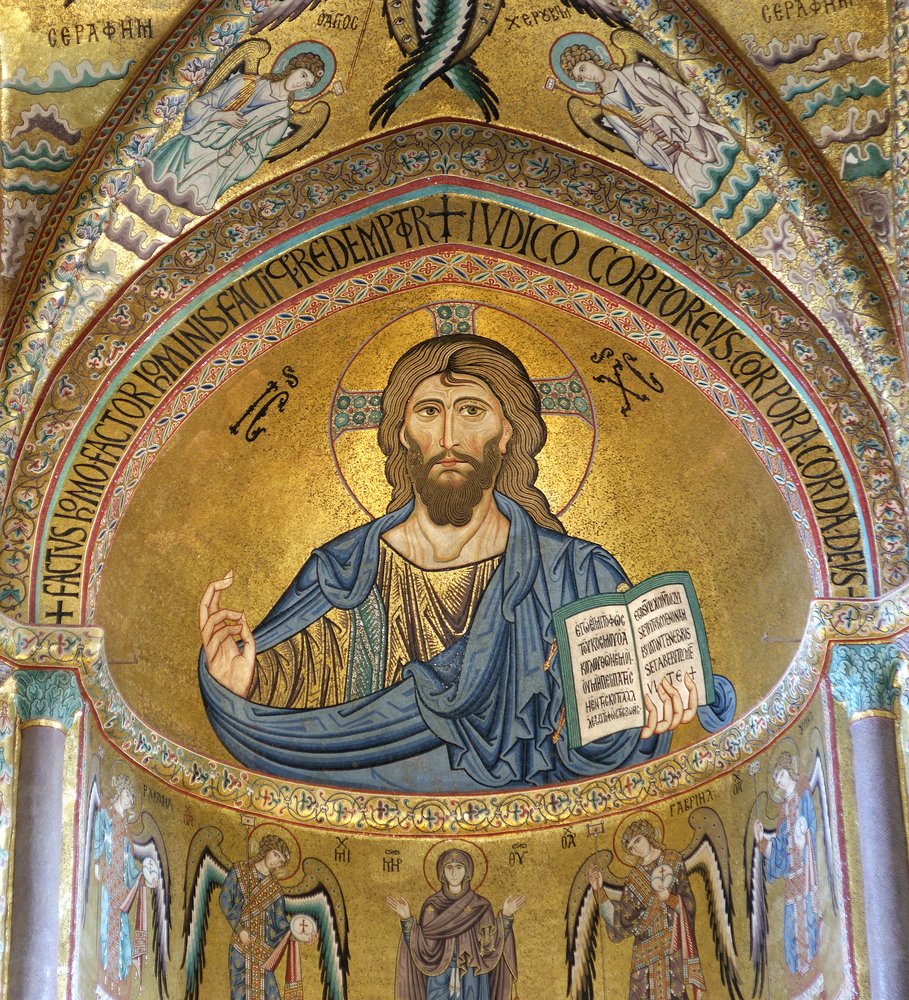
{"points": [[447, 421], [456, 436]]}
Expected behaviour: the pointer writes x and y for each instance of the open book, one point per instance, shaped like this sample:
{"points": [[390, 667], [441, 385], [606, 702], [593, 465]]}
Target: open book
{"points": [[616, 648]]}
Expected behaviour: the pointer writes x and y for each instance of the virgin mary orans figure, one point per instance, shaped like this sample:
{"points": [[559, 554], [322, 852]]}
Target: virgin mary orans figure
{"points": [[459, 949]]}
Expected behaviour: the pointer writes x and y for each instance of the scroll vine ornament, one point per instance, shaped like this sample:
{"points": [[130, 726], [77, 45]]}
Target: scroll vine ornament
{"points": [[47, 695], [863, 676]]}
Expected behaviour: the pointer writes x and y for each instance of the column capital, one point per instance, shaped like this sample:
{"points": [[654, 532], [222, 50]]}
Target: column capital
{"points": [[864, 677], [47, 698]]}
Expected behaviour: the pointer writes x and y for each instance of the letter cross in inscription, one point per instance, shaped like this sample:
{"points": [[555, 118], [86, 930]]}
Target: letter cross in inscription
{"points": [[445, 215], [58, 614]]}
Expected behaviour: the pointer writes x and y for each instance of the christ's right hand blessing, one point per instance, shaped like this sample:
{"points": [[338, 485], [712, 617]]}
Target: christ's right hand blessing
{"points": [[230, 649]]}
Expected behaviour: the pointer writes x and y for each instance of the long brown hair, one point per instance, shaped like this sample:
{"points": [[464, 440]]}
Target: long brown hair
{"points": [[466, 355]]}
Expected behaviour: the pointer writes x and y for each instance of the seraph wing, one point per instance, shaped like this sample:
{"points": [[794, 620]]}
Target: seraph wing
{"points": [[280, 11], [401, 18], [205, 872], [318, 895], [471, 81], [245, 58], [444, 34], [581, 916], [305, 125], [607, 11], [708, 856], [588, 119], [817, 784], [757, 910], [484, 17], [94, 804], [149, 844]]}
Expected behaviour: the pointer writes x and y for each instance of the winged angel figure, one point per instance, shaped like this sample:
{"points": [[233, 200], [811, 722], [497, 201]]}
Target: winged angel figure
{"points": [[126, 853], [242, 117], [437, 37], [629, 97], [269, 923], [788, 851], [655, 905]]}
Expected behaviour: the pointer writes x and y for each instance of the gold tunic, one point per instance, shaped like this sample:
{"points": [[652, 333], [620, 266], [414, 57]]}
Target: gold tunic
{"points": [[427, 611]]}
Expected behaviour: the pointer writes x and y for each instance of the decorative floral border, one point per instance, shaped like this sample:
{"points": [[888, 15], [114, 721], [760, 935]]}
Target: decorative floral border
{"points": [[830, 621]]}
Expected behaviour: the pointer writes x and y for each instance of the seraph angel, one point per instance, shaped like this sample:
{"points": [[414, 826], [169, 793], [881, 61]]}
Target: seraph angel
{"points": [[788, 851], [126, 854], [655, 905], [269, 923], [438, 40], [242, 118]]}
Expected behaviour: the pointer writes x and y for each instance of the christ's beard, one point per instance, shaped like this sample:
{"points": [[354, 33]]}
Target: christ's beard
{"points": [[450, 497]]}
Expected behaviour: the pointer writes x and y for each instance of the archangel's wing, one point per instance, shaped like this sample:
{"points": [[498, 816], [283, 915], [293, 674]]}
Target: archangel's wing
{"points": [[149, 844], [581, 913], [94, 804], [305, 124], [817, 783], [708, 856], [280, 11], [757, 908], [245, 58], [205, 872], [318, 895], [589, 120]]}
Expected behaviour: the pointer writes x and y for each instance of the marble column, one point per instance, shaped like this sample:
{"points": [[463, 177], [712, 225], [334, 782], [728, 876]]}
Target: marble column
{"points": [[46, 702], [863, 678]]}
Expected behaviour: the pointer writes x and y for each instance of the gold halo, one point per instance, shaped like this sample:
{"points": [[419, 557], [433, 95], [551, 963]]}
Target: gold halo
{"points": [[439, 848], [255, 838], [624, 856], [356, 454]]}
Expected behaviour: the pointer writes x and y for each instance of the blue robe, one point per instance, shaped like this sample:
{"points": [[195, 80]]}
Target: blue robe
{"points": [[268, 927], [798, 867], [480, 715], [113, 847]]}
